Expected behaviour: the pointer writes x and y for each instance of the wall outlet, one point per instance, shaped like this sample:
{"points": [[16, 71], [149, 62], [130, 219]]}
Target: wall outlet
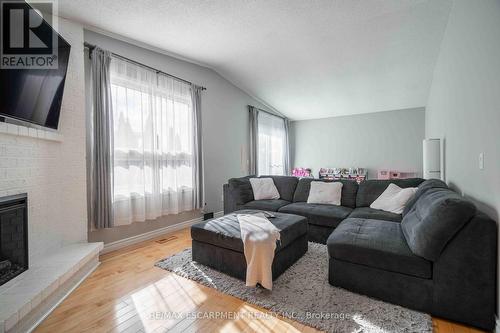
{"points": [[481, 161], [208, 216]]}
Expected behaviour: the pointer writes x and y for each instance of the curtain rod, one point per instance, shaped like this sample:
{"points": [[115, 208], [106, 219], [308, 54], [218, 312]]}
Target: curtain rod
{"points": [[276, 114], [91, 47]]}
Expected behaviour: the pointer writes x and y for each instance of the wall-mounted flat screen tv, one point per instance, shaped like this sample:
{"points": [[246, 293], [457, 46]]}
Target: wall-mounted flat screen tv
{"points": [[35, 95]]}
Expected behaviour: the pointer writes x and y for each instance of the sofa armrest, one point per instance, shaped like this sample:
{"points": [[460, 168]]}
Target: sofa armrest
{"points": [[464, 275], [228, 200]]}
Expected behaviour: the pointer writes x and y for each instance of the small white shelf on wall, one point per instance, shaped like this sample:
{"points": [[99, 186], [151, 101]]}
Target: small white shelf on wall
{"points": [[31, 132]]}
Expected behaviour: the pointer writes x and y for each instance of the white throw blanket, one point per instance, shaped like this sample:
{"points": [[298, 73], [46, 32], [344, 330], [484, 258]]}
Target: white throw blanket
{"points": [[259, 243]]}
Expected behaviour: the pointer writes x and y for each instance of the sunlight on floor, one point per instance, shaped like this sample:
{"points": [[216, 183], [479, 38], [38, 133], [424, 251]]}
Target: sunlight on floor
{"points": [[165, 303], [127, 293], [249, 318]]}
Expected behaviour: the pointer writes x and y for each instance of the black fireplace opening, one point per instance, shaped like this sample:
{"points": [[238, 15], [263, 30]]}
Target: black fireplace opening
{"points": [[13, 236]]}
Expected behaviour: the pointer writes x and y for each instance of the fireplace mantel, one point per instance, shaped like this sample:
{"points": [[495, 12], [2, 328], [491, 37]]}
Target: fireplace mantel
{"points": [[35, 133]]}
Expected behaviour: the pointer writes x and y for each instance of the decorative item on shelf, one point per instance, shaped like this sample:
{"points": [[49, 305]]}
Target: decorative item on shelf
{"points": [[409, 174], [394, 174], [302, 172], [357, 174], [384, 174]]}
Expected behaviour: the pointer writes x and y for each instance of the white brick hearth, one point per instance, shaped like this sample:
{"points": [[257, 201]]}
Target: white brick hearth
{"points": [[27, 298]]}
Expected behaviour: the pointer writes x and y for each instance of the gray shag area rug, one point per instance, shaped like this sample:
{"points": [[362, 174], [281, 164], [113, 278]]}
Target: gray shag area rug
{"points": [[303, 294]]}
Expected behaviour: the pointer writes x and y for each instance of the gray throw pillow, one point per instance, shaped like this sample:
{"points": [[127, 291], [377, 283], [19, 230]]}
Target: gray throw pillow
{"points": [[435, 218]]}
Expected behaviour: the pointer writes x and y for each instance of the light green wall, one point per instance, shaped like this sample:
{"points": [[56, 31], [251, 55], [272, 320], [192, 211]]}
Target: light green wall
{"points": [[382, 140], [464, 101]]}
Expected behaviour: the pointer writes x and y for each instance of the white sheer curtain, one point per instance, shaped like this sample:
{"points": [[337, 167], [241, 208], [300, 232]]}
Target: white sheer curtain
{"points": [[272, 144], [154, 172]]}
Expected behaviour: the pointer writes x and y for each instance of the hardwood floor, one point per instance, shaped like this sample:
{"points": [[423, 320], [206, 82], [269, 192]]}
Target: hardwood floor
{"points": [[128, 294]]}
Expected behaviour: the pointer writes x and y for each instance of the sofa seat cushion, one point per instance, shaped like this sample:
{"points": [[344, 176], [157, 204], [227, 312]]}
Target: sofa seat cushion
{"points": [[375, 214], [318, 214], [225, 231], [378, 244], [268, 204]]}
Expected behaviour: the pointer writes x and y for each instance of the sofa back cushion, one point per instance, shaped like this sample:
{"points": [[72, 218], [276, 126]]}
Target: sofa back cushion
{"points": [[435, 218], [348, 198], [241, 189], [422, 188], [370, 190], [286, 186]]}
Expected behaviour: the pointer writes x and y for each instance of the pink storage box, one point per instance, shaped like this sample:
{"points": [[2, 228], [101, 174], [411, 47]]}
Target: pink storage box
{"points": [[384, 174]]}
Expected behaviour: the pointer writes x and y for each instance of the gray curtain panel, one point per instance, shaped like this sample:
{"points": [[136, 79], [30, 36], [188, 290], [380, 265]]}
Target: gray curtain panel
{"points": [[254, 136], [287, 148], [102, 157], [254, 144], [199, 197]]}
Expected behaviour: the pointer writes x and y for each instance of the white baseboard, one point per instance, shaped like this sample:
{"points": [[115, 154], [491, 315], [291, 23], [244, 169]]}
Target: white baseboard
{"points": [[152, 234], [497, 325]]}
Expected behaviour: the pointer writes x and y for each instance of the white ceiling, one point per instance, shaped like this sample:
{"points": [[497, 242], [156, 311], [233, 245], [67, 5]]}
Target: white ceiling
{"points": [[306, 58]]}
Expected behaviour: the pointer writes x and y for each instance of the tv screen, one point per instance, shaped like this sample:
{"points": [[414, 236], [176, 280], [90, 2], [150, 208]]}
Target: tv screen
{"points": [[35, 95]]}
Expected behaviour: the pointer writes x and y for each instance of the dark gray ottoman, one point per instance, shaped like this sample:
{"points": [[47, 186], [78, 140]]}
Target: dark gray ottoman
{"points": [[217, 243]]}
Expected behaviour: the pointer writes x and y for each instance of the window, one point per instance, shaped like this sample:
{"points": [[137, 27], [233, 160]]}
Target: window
{"points": [[272, 145], [153, 144]]}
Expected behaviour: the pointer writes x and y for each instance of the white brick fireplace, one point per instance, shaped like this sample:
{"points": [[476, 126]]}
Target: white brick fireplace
{"points": [[51, 168]]}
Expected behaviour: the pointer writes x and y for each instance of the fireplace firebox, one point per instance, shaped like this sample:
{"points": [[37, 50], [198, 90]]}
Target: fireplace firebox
{"points": [[13, 236]]}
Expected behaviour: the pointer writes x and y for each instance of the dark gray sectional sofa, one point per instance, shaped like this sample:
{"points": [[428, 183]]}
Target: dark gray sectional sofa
{"points": [[439, 256]]}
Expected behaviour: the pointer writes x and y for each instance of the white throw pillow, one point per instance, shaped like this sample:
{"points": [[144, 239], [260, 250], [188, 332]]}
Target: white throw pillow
{"points": [[325, 193], [394, 199], [264, 188]]}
